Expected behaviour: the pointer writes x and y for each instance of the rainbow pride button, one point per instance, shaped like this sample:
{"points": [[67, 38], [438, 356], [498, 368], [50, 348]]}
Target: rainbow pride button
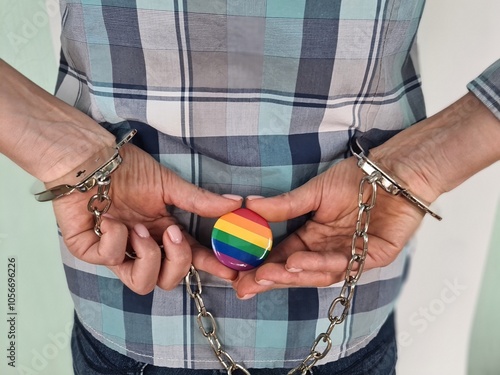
{"points": [[241, 239]]}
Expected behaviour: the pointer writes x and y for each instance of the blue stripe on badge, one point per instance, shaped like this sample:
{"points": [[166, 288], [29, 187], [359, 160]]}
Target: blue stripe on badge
{"points": [[235, 253]]}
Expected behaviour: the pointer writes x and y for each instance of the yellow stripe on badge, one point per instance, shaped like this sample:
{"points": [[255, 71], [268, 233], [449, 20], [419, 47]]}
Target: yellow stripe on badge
{"points": [[248, 223], [245, 234]]}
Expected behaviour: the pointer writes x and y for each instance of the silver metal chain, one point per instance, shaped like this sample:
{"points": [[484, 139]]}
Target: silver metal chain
{"points": [[339, 307], [100, 202], [207, 324]]}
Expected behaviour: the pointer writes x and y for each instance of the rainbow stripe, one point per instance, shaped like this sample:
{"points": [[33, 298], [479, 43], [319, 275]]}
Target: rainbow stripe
{"points": [[242, 239]]}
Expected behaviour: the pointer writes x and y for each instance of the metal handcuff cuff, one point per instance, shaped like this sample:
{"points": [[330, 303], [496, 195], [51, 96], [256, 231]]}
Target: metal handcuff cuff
{"points": [[95, 171], [388, 183]]}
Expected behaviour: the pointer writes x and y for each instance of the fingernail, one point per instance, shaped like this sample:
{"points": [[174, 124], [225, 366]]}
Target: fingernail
{"points": [[294, 270], [265, 282], [109, 216], [247, 296], [175, 234], [252, 197], [141, 230], [234, 197]]}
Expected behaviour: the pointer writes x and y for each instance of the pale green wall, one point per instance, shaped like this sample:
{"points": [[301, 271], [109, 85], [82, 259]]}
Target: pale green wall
{"points": [[484, 358], [27, 229]]}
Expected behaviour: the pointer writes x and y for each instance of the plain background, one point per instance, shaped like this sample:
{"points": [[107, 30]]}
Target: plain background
{"points": [[447, 313]]}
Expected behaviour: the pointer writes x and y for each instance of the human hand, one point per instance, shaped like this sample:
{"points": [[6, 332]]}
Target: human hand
{"points": [[49, 138], [141, 190], [430, 158], [317, 254]]}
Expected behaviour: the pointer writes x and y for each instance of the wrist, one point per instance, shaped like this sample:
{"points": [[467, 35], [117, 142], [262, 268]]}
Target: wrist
{"points": [[42, 134], [439, 153], [386, 180], [94, 171], [412, 164], [66, 147]]}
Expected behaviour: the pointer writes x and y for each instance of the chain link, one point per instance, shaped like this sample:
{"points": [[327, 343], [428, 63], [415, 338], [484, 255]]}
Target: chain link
{"points": [[99, 203], [207, 324], [353, 272]]}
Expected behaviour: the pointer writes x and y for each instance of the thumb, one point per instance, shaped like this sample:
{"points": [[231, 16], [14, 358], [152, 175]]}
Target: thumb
{"points": [[297, 202], [192, 198]]}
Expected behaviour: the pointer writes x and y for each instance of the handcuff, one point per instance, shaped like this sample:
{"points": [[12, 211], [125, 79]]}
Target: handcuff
{"points": [[86, 176], [387, 182]]}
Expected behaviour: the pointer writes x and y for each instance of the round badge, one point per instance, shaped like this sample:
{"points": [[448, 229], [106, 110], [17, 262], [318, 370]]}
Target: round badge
{"points": [[241, 239]]}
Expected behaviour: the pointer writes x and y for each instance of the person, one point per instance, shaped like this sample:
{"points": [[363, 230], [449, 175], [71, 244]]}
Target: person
{"points": [[232, 100]]}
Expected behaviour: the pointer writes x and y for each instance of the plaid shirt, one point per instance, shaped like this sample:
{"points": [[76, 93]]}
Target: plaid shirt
{"points": [[242, 97]]}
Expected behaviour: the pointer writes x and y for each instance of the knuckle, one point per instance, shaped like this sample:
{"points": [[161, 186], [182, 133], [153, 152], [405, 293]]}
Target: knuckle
{"points": [[141, 286], [112, 260], [168, 285], [143, 289], [290, 202], [150, 252], [181, 258], [184, 258]]}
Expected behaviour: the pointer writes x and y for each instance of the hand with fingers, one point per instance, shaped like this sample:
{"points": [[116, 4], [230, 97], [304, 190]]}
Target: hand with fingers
{"points": [[139, 221], [430, 158], [49, 139], [317, 254]]}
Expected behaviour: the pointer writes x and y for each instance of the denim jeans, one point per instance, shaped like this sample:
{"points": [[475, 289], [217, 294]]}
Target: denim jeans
{"points": [[90, 357]]}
